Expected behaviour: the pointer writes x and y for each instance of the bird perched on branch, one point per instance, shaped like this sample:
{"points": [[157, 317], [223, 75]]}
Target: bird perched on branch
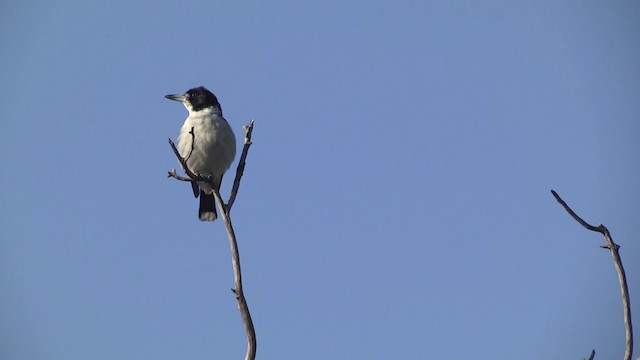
{"points": [[207, 143]]}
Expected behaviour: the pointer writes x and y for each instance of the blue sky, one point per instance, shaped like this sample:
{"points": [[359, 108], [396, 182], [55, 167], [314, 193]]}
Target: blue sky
{"points": [[396, 199]]}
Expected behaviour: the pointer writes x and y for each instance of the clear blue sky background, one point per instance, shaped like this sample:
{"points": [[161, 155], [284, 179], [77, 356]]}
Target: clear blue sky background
{"points": [[396, 200]]}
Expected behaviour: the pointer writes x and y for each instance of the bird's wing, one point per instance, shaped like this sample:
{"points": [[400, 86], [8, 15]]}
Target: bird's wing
{"points": [[196, 188]]}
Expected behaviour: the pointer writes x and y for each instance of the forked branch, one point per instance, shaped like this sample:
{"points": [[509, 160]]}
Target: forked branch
{"points": [[225, 209]]}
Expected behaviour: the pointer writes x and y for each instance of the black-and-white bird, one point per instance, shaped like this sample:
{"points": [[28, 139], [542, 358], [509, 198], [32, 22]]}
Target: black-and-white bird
{"points": [[214, 147]]}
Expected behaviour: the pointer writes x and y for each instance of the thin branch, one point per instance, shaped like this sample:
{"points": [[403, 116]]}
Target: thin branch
{"points": [[592, 356], [183, 162], [617, 261], [172, 174], [225, 210], [248, 130], [574, 215], [193, 144], [237, 277]]}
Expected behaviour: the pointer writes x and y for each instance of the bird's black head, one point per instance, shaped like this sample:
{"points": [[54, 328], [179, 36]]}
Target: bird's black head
{"points": [[197, 99], [201, 98]]}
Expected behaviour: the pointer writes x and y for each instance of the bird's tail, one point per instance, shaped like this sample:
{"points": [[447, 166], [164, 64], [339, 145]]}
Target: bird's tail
{"points": [[207, 211]]}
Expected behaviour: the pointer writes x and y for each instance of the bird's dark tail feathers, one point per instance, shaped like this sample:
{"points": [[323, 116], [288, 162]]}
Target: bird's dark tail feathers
{"points": [[207, 211]]}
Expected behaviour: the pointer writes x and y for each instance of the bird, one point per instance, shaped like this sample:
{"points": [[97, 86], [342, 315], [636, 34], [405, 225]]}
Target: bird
{"points": [[208, 144]]}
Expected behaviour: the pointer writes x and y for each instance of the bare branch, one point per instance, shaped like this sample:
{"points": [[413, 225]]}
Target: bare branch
{"points": [[193, 143], [183, 162], [622, 278], [225, 209], [172, 174], [248, 130], [237, 277], [573, 214]]}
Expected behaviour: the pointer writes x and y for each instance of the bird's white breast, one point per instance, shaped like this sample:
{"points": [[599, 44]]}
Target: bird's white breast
{"points": [[215, 144]]}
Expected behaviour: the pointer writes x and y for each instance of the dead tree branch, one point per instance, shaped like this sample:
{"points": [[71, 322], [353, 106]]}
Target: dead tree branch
{"points": [[248, 129], [225, 209], [237, 277], [617, 261]]}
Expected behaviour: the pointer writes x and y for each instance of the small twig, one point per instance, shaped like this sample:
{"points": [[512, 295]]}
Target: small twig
{"points": [[173, 174], [193, 144], [592, 356], [574, 215], [183, 162], [248, 130], [617, 261]]}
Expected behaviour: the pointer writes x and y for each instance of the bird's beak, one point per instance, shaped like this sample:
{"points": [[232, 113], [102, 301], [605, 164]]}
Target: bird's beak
{"points": [[177, 97]]}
